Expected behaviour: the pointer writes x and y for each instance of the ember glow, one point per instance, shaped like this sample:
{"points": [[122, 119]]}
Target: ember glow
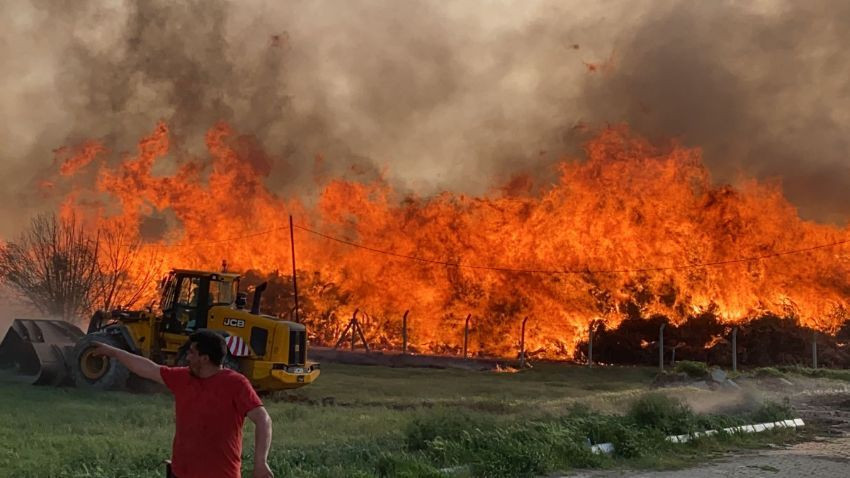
{"points": [[627, 226]]}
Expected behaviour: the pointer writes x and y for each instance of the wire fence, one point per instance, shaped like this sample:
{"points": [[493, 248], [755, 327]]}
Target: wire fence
{"points": [[355, 327], [794, 345]]}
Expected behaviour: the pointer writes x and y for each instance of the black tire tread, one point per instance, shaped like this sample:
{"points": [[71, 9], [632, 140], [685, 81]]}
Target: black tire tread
{"points": [[116, 375]]}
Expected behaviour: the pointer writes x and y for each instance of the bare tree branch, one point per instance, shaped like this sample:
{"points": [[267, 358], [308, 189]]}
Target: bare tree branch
{"points": [[54, 264], [127, 269], [66, 272]]}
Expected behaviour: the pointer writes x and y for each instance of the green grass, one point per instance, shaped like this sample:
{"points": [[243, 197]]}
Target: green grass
{"points": [[767, 372], [830, 373], [691, 368], [377, 421]]}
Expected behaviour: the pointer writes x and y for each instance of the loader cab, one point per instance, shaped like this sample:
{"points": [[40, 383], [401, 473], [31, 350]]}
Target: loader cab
{"points": [[188, 295]]}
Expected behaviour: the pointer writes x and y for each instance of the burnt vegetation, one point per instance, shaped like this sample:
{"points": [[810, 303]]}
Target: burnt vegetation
{"points": [[762, 341], [768, 339]]}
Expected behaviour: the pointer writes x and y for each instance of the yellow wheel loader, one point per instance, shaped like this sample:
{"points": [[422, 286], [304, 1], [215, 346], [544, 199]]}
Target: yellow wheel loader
{"points": [[270, 352]]}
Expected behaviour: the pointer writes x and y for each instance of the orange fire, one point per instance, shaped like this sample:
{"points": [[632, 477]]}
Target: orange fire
{"points": [[632, 223]]}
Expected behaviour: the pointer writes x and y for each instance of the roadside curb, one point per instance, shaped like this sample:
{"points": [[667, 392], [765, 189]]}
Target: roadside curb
{"points": [[754, 428]]}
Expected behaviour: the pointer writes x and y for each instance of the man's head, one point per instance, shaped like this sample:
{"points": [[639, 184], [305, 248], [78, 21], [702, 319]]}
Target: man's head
{"points": [[206, 350]]}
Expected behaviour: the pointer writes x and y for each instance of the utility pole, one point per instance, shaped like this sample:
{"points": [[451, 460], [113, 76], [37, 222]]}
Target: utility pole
{"points": [[294, 279]]}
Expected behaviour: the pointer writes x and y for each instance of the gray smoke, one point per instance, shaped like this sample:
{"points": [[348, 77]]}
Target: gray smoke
{"points": [[438, 96], [763, 92]]}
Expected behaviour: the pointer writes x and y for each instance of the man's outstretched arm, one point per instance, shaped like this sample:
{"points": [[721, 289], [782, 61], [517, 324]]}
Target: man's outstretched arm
{"points": [[262, 441], [137, 364]]}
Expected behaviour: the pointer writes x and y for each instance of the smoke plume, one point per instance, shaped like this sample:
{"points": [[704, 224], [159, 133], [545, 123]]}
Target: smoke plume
{"points": [[430, 96]]}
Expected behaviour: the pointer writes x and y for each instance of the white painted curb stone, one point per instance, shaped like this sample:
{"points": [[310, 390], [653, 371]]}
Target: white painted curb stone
{"points": [[756, 428]]}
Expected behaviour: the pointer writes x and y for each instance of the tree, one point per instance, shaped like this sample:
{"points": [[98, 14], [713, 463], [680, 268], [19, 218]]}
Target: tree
{"points": [[120, 255], [66, 272], [54, 264]]}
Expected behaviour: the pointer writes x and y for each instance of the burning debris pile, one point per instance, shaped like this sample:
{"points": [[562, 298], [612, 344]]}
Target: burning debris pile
{"points": [[766, 340], [629, 236]]}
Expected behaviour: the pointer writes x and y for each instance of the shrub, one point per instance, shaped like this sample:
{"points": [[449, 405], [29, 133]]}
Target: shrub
{"points": [[579, 410], [510, 453], [660, 412], [516, 450], [768, 372], [718, 422], [817, 372], [772, 412], [631, 442], [441, 423], [404, 466], [692, 369], [484, 447]]}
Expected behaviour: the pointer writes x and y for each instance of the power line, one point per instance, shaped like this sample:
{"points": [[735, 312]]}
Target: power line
{"points": [[428, 261], [221, 241], [576, 271], [516, 270]]}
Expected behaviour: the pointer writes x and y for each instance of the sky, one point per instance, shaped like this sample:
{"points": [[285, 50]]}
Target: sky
{"points": [[433, 96]]}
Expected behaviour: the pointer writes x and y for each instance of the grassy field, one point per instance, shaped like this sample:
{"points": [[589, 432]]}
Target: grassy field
{"points": [[376, 421]]}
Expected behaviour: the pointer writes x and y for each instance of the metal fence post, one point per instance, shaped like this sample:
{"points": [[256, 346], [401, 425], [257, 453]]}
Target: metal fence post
{"points": [[353, 333], [404, 333], [734, 349], [814, 349], [522, 344], [661, 347], [466, 334], [590, 345], [354, 327]]}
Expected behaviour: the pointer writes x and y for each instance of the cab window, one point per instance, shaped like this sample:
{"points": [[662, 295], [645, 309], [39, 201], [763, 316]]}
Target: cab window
{"points": [[222, 292], [189, 289], [167, 301]]}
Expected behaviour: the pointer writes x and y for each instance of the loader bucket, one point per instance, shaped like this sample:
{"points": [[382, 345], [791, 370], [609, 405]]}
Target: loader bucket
{"points": [[38, 350]]}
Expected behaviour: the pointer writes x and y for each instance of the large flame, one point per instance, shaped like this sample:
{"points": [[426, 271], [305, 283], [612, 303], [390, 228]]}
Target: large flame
{"points": [[631, 226]]}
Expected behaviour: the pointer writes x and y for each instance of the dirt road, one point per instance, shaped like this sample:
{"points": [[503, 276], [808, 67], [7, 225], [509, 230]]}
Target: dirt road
{"points": [[818, 459], [826, 456]]}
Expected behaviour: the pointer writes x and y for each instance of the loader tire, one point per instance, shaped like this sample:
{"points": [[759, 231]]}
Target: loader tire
{"points": [[98, 372]]}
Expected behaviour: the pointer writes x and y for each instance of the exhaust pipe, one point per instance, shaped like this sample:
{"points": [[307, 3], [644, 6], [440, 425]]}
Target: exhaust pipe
{"points": [[258, 295]]}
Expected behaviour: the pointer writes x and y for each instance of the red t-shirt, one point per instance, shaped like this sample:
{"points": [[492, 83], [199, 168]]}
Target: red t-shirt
{"points": [[210, 412]]}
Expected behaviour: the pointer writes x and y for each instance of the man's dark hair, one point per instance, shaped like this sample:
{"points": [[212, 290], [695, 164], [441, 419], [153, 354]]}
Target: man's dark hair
{"points": [[211, 344]]}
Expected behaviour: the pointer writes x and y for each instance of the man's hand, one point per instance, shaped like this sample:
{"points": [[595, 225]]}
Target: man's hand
{"points": [[262, 470], [262, 441], [137, 364]]}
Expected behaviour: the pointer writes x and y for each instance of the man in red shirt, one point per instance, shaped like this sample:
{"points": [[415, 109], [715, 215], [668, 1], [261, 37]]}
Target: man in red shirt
{"points": [[211, 404]]}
